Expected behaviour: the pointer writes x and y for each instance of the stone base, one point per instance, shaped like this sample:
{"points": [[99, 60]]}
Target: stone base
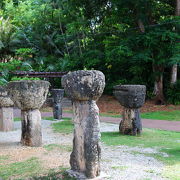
{"points": [[31, 128], [6, 119], [81, 176]]}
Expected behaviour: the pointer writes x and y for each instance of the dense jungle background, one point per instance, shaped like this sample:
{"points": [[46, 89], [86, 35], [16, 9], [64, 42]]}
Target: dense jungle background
{"points": [[130, 41]]}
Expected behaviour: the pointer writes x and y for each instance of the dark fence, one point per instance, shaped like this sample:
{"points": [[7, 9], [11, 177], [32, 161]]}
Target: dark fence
{"points": [[38, 74]]}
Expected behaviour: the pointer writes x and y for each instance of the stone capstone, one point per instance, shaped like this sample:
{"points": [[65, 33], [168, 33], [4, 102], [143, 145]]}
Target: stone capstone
{"points": [[28, 94], [130, 96], [84, 85]]}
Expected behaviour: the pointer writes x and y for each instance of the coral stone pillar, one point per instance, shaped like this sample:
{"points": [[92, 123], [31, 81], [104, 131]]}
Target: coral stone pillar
{"points": [[132, 97], [6, 111], [84, 88], [57, 95], [29, 96]]}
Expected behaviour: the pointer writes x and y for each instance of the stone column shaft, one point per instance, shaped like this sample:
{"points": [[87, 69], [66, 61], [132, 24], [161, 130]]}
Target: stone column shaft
{"points": [[131, 122], [57, 95], [86, 148], [31, 128], [6, 119], [57, 111]]}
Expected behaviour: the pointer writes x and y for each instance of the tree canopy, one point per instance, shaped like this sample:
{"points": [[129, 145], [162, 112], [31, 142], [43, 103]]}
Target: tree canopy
{"points": [[131, 42]]}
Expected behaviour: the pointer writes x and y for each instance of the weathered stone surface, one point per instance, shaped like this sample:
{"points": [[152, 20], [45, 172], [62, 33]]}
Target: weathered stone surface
{"points": [[86, 148], [6, 119], [31, 128], [28, 94], [58, 95], [131, 97], [6, 110], [84, 87], [5, 100], [131, 122]]}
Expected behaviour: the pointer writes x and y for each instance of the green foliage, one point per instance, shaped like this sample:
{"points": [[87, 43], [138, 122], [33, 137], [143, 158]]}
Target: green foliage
{"points": [[23, 78], [173, 93], [103, 35], [7, 68]]}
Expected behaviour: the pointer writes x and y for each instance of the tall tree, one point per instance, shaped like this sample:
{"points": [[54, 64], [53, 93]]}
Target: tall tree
{"points": [[175, 66]]}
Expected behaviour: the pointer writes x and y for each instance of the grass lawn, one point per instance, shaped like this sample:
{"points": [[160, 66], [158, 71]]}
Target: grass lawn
{"points": [[19, 169], [158, 115], [65, 126], [162, 115]]}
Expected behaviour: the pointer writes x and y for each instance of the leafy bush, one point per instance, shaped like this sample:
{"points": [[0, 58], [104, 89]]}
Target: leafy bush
{"points": [[24, 78], [173, 93], [7, 68]]}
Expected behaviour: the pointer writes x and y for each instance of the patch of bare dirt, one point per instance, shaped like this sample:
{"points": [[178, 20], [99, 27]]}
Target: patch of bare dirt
{"points": [[50, 159]]}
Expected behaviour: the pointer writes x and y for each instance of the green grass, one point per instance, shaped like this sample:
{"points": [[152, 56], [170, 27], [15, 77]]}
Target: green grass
{"points": [[162, 115], [44, 118], [17, 119], [24, 169], [3, 158], [52, 175], [158, 115], [110, 115], [48, 118], [65, 126], [51, 147], [165, 141]]}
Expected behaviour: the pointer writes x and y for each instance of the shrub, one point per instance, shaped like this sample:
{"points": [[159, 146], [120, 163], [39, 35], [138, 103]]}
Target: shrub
{"points": [[173, 93]]}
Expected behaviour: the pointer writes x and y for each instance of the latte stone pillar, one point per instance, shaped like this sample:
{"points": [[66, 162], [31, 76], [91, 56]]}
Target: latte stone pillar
{"points": [[6, 111], [131, 97], [57, 95], [84, 88], [29, 96]]}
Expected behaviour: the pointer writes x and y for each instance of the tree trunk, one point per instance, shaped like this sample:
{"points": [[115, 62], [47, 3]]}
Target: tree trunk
{"points": [[174, 67], [141, 26], [174, 74], [158, 85], [177, 8]]}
